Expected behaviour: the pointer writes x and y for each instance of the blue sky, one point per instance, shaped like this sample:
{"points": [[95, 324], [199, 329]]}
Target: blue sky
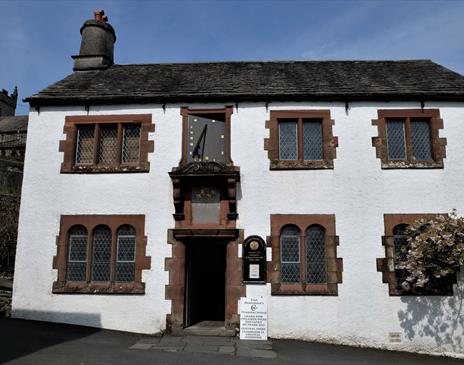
{"points": [[38, 37]]}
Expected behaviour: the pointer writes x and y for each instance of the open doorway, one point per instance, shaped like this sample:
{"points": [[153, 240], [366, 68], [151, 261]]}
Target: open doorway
{"points": [[205, 278]]}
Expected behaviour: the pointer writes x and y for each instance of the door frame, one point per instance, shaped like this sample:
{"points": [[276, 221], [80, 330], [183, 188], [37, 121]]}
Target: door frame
{"points": [[188, 268], [176, 267]]}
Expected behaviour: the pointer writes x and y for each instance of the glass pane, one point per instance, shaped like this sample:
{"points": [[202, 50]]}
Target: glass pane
{"points": [[125, 271], [316, 261], [126, 244], [76, 271], [290, 255], [312, 140], [84, 145], [78, 247], [131, 143], [290, 249], [206, 204], [400, 240], [77, 255], [108, 144], [420, 134], [288, 145], [290, 272], [396, 140], [101, 254], [290, 231], [125, 265]]}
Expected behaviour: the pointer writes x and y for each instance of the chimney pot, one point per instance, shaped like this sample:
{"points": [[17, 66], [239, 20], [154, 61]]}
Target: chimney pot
{"points": [[100, 15]]}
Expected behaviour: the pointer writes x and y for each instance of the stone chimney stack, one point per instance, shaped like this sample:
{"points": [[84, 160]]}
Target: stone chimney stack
{"points": [[97, 45]]}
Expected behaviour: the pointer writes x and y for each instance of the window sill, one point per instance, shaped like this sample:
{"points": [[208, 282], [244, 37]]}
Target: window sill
{"points": [[412, 165], [100, 288], [301, 164], [83, 169], [303, 289]]}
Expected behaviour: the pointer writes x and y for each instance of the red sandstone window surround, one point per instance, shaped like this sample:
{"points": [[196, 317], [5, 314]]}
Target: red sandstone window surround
{"points": [[101, 254], [409, 138], [300, 139], [304, 255], [109, 143], [393, 240]]}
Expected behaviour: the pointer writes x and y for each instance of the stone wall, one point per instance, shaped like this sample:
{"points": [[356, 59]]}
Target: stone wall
{"points": [[8, 231], [11, 176], [8, 103]]}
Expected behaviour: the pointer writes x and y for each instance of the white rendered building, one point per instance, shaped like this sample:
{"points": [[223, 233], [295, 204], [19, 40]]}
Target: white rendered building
{"points": [[142, 182]]}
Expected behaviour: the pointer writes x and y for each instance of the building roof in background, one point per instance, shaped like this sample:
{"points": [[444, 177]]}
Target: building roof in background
{"points": [[248, 81], [13, 124]]}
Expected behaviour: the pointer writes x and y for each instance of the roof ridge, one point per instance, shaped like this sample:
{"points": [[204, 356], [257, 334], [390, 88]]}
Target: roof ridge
{"points": [[278, 61]]}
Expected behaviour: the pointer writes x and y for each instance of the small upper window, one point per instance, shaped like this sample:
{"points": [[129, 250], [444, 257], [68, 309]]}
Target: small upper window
{"points": [[113, 148], [301, 139], [416, 147], [107, 144], [409, 138], [131, 143]]}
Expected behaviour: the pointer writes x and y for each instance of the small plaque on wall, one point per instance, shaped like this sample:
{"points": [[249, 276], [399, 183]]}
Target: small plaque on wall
{"points": [[254, 260]]}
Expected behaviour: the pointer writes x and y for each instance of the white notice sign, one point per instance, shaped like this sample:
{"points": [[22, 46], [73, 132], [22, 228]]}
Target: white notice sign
{"points": [[254, 271], [253, 318]]}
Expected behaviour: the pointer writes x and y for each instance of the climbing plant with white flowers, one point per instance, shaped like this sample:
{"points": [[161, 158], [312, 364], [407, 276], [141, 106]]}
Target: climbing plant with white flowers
{"points": [[434, 249]]}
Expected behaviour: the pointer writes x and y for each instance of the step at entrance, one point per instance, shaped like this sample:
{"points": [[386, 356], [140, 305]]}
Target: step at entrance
{"points": [[209, 328]]}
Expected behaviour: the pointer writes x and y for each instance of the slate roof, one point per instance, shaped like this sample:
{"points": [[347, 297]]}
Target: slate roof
{"points": [[13, 124], [266, 81]]}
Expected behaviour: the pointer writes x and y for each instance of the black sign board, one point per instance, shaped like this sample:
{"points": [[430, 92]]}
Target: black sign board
{"points": [[254, 260]]}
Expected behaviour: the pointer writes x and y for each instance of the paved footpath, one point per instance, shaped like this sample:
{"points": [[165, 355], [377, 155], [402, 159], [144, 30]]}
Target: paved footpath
{"points": [[37, 343], [208, 345]]}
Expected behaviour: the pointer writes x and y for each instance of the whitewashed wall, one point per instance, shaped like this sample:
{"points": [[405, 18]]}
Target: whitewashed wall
{"points": [[357, 191]]}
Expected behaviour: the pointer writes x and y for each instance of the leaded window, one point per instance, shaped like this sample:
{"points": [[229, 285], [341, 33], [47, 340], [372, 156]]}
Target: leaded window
{"points": [[125, 262], [107, 144], [77, 254], [316, 261], [290, 254], [420, 133], [303, 258], [131, 143], [408, 139], [300, 139], [396, 140], [312, 140], [101, 258], [397, 246], [400, 242], [99, 254], [85, 144], [288, 139]]}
